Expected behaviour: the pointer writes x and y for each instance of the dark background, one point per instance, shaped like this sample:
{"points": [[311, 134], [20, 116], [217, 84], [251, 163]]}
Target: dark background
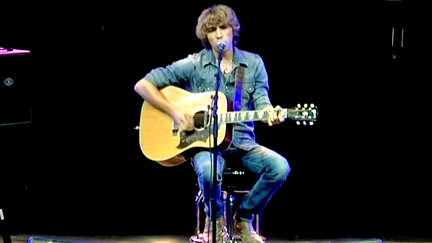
{"points": [[360, 171]]}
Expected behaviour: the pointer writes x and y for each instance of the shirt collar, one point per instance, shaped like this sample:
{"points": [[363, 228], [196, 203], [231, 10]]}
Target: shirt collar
{"points": [[238, 58]]}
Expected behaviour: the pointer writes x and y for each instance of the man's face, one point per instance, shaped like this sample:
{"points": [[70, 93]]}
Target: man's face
{"points": [[220, 33]]}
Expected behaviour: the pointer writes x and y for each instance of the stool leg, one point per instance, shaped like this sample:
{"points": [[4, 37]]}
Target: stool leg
{"points": [[224, 200], [258, 219], [198, 200], [226, 234], [230, 223], [197, 238], [258, 223]]}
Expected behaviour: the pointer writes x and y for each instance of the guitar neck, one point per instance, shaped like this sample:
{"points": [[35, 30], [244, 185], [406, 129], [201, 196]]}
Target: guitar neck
{"points": [[242, 116]]}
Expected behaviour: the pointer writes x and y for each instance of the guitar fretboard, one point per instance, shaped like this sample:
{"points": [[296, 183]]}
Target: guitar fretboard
{"points": [[241, 116]]}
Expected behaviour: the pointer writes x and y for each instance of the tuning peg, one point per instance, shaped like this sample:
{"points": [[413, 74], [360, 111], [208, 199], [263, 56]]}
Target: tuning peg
{"points": [[299, 106], [311, 123], [305, 123], [305, 105], [312, 105], [298, 123]]}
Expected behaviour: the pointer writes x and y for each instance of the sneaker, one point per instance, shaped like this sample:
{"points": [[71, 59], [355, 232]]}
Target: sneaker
{"points": [[245, 230]]}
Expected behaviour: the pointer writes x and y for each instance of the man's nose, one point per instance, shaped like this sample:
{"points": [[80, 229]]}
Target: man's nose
{"points": [[218, 33]]}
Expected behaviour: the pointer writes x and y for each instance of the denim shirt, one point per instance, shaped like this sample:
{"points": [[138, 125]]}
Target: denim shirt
{"points": [[196, 73]]}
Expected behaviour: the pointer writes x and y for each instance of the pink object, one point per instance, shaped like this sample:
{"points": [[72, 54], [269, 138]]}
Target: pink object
{"points": [[5, 52]]}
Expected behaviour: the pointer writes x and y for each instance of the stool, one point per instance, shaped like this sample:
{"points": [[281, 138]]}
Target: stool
{"points": [[235, 182]]}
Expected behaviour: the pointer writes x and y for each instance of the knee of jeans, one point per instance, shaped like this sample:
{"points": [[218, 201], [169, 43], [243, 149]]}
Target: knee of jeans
{"points": [[205, 172], [282, 169]]}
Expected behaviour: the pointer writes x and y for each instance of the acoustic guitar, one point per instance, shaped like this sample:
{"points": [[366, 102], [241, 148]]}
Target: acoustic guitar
{"points": [[161, 141]]}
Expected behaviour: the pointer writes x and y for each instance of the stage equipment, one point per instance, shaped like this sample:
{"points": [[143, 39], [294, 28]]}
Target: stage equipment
{"points": [[15, 87]]}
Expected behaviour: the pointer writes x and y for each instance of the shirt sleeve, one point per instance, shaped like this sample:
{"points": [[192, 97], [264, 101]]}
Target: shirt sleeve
{"points": [[260, 95], [173, 74]]}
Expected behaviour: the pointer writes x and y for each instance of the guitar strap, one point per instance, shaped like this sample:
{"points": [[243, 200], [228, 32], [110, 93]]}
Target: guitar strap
{"points": [[239, 76]]}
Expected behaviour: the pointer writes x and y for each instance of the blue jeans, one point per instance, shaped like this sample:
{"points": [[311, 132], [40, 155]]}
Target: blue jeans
{"points": [[270, 167]]}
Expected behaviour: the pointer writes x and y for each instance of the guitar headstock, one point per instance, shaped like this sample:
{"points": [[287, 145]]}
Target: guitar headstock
{"points": [[306, 114]]}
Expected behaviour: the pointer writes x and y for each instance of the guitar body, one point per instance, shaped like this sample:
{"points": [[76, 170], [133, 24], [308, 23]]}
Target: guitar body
{"points": [[160, 139]]}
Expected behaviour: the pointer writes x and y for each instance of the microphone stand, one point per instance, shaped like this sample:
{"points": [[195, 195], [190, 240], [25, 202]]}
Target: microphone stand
{"points": [[215, 152]]}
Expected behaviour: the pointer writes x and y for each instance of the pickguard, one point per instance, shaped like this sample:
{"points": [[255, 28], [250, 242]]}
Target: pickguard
{"points": [[187, 138]]}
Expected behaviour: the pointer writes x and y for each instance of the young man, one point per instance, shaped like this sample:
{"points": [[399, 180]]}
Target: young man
{"points": [[196, 73]]}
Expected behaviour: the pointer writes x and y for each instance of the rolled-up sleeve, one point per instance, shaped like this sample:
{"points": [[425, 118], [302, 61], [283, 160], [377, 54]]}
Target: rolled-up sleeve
{"points": [[260, 95], [173, 74]]}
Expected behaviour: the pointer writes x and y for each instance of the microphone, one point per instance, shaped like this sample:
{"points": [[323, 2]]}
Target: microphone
{"points": [[221, 45]]}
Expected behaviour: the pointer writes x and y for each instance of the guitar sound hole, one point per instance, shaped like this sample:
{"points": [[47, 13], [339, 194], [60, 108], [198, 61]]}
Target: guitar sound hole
{"points": [[199, 119]]}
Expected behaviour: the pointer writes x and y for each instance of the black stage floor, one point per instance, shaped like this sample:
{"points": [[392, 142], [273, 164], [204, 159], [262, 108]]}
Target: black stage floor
{"points": [[185, 239]]}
